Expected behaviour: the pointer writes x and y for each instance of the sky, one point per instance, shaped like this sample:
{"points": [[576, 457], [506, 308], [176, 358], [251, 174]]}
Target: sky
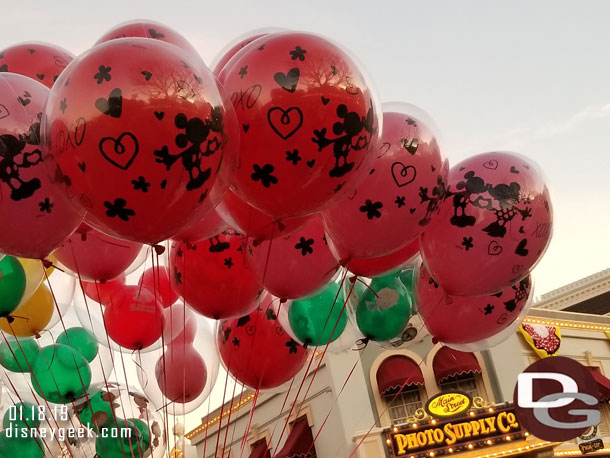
{"points": [[523, 76]]}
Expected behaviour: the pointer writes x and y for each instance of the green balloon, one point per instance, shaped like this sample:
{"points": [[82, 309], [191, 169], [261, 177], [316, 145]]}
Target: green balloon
{"points": [[15, 355], [120, 447], [144, 431], [310, 321], [22, 447], [24, 414], [384, 309], [80, 339], [61, 374], [97, 412], [12, 285]]}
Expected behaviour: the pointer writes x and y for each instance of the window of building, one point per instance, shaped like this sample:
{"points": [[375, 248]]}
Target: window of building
{"points": [[403, 405], [465, 383]]}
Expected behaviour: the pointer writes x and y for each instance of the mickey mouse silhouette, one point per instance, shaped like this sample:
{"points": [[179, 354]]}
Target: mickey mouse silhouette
{"points": [[196, 132], [346, 130], [438, 194], [10, 148], [506, 196]]}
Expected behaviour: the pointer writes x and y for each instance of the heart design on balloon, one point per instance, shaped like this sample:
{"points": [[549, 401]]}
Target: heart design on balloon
{"points": [[250, 329], [120, 151], [494, 248], [113, 106], [492, 164], [288, 81], [403, 174], [4, 113], [285, 122]]}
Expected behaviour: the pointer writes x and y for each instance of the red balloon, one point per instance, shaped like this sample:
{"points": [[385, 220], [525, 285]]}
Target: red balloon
{"points": [[36, 216], [138, 139], [374, 267], [181, 373], [397, 199], [134, 319], [42, 62], [212, 276], [141, 28], [257, 351], [156, 280], [295, 265], [466, 319], [252, 222], [104, 292], [96, 256], [226, 55], [209, 226], [495, 224], [308, 122]]}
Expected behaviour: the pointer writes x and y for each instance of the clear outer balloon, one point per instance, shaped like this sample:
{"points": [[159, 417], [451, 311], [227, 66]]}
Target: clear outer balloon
{"points": [[62, 286], [463, 319], [209, 226], [42, 62], [227, 53], [496, 339], [252, 222], [380, 308], [156, 281], [133, 406], [137, 138], [343, 339], [308, 121], [495, 224], [203, 346], [96, 256], [398, 198], [212, 276], [36, 215], [257, 351], [148, 29], [134, 319], [296, 265], [380, 266], [132, 327]]}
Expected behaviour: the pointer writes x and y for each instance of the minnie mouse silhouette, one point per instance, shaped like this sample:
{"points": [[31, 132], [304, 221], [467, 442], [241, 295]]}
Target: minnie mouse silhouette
{"points": [[347, 129], [11, 148]]}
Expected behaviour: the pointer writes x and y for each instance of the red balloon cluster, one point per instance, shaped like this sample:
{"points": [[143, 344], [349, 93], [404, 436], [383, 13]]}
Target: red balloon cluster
{"points": [[265, 176]]}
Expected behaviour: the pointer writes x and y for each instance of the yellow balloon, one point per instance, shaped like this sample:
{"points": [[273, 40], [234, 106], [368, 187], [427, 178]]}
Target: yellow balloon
{"points": [[34, 273], [31, 317]]}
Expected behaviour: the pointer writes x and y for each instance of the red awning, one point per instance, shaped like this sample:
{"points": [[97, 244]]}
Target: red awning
{"points": [[449, 363], [603, 383], [396, 373], [260, 450], [299, 443]]}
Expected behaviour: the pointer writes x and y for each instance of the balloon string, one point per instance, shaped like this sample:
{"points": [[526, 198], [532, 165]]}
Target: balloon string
{"points": [[241, 394], [224, 394], [313, 355], [207, 426], [380, 414], [245, 438], [331, 407], [224, 445]]}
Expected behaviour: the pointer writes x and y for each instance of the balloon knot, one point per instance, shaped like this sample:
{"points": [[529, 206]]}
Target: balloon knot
{"points": [[434, 340], [47, 263], [353, 278], [362, 343], [283, 300], [281, 226], [306, 343], [159, 249]]}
